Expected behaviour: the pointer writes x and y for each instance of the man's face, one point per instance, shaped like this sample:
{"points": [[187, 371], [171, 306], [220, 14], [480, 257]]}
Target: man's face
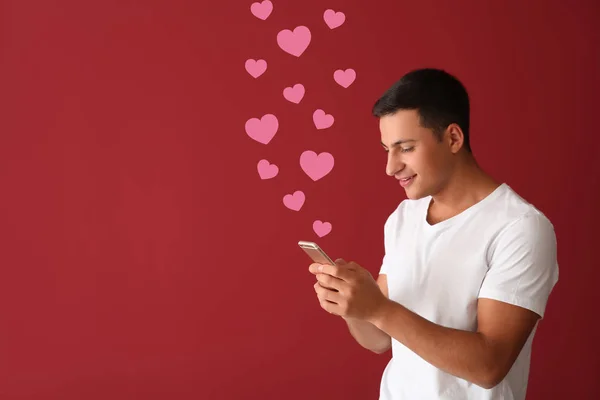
{"points": [[416, 157]]}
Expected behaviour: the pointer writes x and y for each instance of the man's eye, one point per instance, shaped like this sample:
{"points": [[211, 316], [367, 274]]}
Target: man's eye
{"points": [[406, 150]]}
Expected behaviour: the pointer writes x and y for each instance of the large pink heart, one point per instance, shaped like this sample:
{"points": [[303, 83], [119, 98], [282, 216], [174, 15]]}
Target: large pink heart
{"points": [[262, 10], [256, 67], [296, 42], [262, 130], [266, 170], [316, 166], [294, 94], [294, 201], [321, 228], [344, 78], [334, 19], [322, 120]]}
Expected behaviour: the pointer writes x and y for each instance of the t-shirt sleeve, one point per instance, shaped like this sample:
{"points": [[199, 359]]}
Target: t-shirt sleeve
{"points": [[523, 264], [384, 265]]}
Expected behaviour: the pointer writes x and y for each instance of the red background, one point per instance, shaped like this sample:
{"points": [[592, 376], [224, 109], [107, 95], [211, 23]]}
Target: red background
{"points": [[141, 255]]}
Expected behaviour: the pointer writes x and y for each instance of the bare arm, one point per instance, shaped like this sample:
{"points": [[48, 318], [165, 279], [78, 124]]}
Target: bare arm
{"points": [[483, 357], [368, 335]]}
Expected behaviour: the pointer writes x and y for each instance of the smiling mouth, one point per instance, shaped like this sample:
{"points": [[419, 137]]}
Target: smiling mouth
{"points": [[406, 181]]}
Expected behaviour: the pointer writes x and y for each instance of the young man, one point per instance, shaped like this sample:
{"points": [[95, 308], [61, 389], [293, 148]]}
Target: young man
{"points": [[468, 266]]}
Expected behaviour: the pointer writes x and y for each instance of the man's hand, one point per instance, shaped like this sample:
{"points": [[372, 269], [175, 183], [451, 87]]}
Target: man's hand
{"points": [[348, 290]]}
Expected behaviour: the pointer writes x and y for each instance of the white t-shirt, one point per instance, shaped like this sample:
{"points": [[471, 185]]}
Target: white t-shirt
{"points": [[501, 248]]}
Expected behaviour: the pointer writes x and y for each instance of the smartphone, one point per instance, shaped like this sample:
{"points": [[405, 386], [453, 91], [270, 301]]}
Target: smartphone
{"points": [[315, 252]]}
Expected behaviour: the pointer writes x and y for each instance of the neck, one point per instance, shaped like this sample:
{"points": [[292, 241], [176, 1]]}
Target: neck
{"points": [[468, 185]]}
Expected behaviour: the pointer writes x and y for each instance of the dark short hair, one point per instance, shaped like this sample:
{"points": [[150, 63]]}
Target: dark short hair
{"points": [[439, 98]]}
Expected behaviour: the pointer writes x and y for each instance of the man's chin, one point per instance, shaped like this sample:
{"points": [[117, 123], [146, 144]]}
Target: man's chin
{"points": [[413, 193]]}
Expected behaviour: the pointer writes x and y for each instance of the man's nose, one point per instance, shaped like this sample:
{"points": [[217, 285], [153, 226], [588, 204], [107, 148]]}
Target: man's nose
{"points": [[394, 164]]}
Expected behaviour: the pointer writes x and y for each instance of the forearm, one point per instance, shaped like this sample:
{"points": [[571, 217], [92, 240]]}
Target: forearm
{"points": [[368, 335], [461, 353]]}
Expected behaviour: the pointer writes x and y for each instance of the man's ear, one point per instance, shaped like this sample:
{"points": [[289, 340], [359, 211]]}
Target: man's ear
{"points": [[455, 137]]}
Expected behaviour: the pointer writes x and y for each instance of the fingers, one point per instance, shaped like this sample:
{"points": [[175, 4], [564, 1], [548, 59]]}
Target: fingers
{"points": [[325, 295], [314, 268], [340, 264], [327, 287], [330, 282]]}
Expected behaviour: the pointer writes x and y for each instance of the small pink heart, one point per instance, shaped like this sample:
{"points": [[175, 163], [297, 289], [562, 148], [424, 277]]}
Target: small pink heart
{"points": [[321, 228], [262, 130], [294, 42], [322, 120], [334, 19], [294, 94], [256, 67], [344, 78], [262, 10], [294, 201], [266, 170], [316, 166]]}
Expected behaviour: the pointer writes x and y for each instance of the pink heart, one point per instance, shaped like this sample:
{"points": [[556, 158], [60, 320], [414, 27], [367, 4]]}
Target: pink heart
{"points": [[294, 94], [262, 130], [316, 167], [256, 68], [294, 42], [322, 120], [294, 201], [262, 10], [334, 19], [266, 170], [344, 78], [321, 228]]}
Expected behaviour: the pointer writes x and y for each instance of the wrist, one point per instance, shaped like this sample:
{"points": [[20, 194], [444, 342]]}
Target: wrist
{"points": [[380, 313]]}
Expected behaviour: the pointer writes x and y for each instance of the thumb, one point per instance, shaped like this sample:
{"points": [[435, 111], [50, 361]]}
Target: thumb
{"points": [[340, 261]]}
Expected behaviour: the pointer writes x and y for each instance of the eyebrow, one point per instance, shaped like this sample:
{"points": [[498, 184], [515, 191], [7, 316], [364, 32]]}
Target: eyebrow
{"points": [[399, 142]]}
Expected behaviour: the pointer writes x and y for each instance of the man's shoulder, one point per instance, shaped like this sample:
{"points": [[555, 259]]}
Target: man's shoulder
{"points": [[515, 217], [515, 210]]}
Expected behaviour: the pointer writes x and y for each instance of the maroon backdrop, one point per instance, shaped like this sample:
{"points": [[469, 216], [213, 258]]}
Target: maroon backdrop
{"points": [[141, 254]]}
